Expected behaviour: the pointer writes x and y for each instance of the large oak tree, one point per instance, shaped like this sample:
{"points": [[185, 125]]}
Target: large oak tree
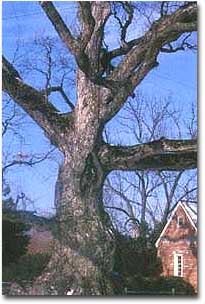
{"points": [[83, 257]]}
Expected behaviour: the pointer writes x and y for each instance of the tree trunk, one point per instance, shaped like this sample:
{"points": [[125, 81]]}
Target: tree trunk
{"points": [[83, 254]]}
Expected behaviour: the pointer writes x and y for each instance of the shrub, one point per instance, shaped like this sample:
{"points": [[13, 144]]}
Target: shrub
{"points": [[14, 240], [160, 286], [28, 268], [135, 256], [178, 284]]}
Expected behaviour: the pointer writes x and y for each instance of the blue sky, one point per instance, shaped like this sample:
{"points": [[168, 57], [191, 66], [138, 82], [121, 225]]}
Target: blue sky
{"points": [[176, 76]]}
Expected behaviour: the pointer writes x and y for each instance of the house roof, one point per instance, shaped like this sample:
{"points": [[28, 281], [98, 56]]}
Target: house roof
{"points": [[190, 210], [40, 240]]}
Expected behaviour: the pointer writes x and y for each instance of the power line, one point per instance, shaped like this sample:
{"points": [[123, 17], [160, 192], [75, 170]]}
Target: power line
{"points": [[20, 16], [176, 81], [35, 14], [169, 89]]}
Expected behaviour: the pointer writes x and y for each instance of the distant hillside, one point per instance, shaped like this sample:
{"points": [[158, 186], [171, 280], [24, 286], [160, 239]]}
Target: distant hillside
{"points": [[30, 217], [40, 229]]}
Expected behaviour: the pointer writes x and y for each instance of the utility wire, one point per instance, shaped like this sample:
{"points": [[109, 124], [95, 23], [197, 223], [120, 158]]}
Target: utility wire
{"points": [[35, 14], [175, 81]]}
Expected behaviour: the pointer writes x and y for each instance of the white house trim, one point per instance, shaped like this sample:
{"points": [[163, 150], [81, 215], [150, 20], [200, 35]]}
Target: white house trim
{"points": [[188, 215], [176, 264], [172, 214]]}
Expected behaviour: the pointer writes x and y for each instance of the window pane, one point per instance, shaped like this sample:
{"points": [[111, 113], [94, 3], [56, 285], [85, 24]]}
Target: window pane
{"points": [[179, 258]]}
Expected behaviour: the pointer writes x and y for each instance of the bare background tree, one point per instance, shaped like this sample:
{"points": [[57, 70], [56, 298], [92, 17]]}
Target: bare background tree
{"points": [[140, 199], [47, 62], [106, 77]]}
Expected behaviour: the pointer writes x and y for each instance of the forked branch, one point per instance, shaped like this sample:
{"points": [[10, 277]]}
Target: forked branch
{"points": [[59, 89], [31, 100]]}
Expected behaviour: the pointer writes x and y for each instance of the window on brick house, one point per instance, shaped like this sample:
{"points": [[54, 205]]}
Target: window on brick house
{"points": [[178, 265], [180, 221]]}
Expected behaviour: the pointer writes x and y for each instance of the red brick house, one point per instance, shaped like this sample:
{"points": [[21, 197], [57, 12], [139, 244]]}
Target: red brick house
{"points": [[41, 240], [177, 244]]}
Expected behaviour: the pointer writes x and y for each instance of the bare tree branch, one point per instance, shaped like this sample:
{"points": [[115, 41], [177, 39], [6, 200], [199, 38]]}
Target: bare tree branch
{"points": [[33, 160], [122, 195], [168, 194], [169, 48], [118, 209], [162, 31], [63, 31], [31, 100], [187, 192], [142, 58], [74, 45], [50, 90], [127, 6], [7, 122], [163, 8]]}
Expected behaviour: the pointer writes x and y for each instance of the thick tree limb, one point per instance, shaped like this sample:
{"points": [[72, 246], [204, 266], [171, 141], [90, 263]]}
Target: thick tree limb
{"points": [[60, 26], [141, 54], [75, 47], [165, 30], [86, 48], [125, 48], [30, 99], [87, 21], [162, 154], [100, 12]]}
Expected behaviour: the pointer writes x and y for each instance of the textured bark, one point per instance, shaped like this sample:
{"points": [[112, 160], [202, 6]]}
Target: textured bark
{"points": [[82, 254], [161, 154], [84, 249]]}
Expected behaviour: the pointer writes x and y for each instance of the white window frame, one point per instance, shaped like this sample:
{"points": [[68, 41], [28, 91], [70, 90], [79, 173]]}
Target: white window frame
{"points": [[176, 264], [178, 221]]}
